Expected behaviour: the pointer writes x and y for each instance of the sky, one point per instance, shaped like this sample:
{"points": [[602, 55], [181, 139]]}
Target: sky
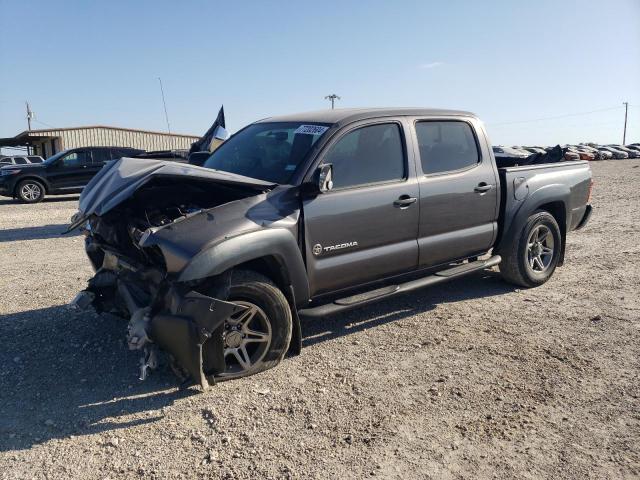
{"points": [[536, 72]]}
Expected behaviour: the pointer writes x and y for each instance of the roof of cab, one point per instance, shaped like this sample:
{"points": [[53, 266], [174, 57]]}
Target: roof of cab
{"points": [[348, 115]]}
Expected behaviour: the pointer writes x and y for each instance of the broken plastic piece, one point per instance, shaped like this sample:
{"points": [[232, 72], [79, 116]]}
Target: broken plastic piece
{"points": [[82, 300]]}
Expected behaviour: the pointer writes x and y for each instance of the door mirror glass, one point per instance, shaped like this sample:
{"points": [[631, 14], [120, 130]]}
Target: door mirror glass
{"points": [[220, 133], [325, 177]]}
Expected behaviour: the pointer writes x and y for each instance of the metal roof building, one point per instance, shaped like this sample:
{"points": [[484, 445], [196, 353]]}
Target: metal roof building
{"points": [[50, 141]]}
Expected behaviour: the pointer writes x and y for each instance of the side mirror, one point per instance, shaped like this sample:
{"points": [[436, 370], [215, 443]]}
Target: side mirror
{"points": [[220, 133], [325, 177]]}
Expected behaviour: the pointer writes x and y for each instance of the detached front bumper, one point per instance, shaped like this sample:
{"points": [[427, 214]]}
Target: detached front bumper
{"points": [[162, 315]]}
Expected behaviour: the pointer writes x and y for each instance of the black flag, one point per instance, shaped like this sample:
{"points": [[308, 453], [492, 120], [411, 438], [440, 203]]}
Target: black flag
{"points": [[204, 143]]}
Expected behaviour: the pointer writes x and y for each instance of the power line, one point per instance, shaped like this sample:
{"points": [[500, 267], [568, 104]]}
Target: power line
{"points": [[555, 117], [42, 123], [166, 115]]}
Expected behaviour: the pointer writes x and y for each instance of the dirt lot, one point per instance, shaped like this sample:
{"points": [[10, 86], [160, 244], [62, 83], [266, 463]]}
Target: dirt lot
{"points": [[474, 379]]}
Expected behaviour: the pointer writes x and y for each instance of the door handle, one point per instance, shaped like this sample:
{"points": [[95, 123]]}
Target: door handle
{"points": [[404, 201], [483, 187]]}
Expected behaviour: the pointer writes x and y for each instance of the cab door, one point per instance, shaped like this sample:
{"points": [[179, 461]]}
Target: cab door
{"points": [[366, 227], [459, 191]]}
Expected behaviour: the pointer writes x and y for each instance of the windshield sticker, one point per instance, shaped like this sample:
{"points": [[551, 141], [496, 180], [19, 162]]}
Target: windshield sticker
{"points": [[290, 168], [311, 129]]}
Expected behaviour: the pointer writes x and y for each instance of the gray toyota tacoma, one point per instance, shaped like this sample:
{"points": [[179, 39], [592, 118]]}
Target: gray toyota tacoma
{"points": [[309, 215]]}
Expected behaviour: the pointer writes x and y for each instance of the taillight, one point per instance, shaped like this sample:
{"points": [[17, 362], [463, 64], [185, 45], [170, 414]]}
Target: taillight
{"points": [[590, 190]]}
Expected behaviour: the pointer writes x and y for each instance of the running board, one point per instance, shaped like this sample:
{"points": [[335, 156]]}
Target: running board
{"points": [[348, 303]]}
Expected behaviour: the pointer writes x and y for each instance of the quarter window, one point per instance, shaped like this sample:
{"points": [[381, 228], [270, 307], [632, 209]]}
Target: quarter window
{"points": [[367, 155], [446, 146]]}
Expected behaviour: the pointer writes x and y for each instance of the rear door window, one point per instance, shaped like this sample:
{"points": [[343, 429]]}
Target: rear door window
{"points": [[20, 161], [101, 155], [368, 155], [446, 146]]}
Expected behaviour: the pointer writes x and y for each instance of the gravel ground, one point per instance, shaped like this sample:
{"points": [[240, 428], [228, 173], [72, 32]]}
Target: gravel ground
{"points": [[473, 379]]}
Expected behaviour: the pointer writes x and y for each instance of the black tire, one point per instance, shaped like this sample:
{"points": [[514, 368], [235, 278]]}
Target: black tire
{"points": [[516, 264], [252, 288], [30, 191]]}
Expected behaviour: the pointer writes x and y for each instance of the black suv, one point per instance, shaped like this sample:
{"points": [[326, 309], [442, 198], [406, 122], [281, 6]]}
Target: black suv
{"points": [[65, 172]]}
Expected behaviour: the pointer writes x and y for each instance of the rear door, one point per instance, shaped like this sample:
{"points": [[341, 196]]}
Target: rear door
{"points": [[365, 228], [459, 190]]}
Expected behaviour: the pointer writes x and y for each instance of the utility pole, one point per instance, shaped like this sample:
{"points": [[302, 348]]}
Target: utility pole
{"points": [[166, 115], [333, 97], [29, 115], [624, 134]]}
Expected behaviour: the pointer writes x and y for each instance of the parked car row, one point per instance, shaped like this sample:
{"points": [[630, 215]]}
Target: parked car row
{"points": [[582, 151]]}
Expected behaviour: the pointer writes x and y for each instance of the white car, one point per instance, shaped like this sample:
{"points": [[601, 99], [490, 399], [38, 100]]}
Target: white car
{"points": [[20, 160]]}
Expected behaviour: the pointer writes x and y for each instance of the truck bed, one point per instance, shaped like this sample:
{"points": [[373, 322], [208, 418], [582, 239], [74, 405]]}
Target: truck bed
{"points": [[531, 185]]}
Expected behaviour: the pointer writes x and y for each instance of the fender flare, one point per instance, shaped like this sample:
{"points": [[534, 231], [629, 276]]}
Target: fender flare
{"points": [[278, 243], [554, 193], [47, 187]]}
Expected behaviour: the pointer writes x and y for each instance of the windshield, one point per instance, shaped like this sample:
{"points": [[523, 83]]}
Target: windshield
{"points": [[267, 151], [55, 157]]}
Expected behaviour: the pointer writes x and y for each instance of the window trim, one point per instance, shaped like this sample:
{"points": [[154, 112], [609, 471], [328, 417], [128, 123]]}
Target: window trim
{"points": [[448, 172], [356, 126]]}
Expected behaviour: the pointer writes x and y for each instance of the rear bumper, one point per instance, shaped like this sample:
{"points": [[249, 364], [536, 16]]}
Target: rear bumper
{"points": [[585, 217]]}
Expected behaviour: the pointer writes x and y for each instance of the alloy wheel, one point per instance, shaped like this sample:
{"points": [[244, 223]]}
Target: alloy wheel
{"points": [[247, 337], [540, 248], [30, 191]]}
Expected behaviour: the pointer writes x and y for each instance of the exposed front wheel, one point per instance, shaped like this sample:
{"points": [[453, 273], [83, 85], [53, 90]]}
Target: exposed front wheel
{"points": [[257, 338], [533, 255], [30, 191]]}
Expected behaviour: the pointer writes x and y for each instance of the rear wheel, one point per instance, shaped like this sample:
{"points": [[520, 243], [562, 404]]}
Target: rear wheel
{"points": [[30, 191], [532, 257], [257, 338]]}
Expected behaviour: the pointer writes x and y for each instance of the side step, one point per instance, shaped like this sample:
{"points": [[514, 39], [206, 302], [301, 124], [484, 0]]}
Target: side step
{"points": [[348, 303]]}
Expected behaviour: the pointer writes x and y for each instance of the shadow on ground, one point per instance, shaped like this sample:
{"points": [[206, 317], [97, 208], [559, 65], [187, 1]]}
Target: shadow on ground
{"points": [[64, 373], [36, 233], [55, 199], [405, 305]]}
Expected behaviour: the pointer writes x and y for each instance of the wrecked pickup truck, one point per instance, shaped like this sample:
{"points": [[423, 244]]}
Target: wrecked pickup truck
{"points": [[309, 215]]}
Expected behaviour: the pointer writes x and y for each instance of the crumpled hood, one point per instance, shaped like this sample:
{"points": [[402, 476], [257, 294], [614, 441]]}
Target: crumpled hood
{"points": [[118, 180]]}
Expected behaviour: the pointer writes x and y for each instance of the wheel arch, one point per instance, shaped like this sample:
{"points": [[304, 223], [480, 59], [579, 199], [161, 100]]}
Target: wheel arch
{"points": [[551, 198], [558, 210], [40, 180], [272, 252]]}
